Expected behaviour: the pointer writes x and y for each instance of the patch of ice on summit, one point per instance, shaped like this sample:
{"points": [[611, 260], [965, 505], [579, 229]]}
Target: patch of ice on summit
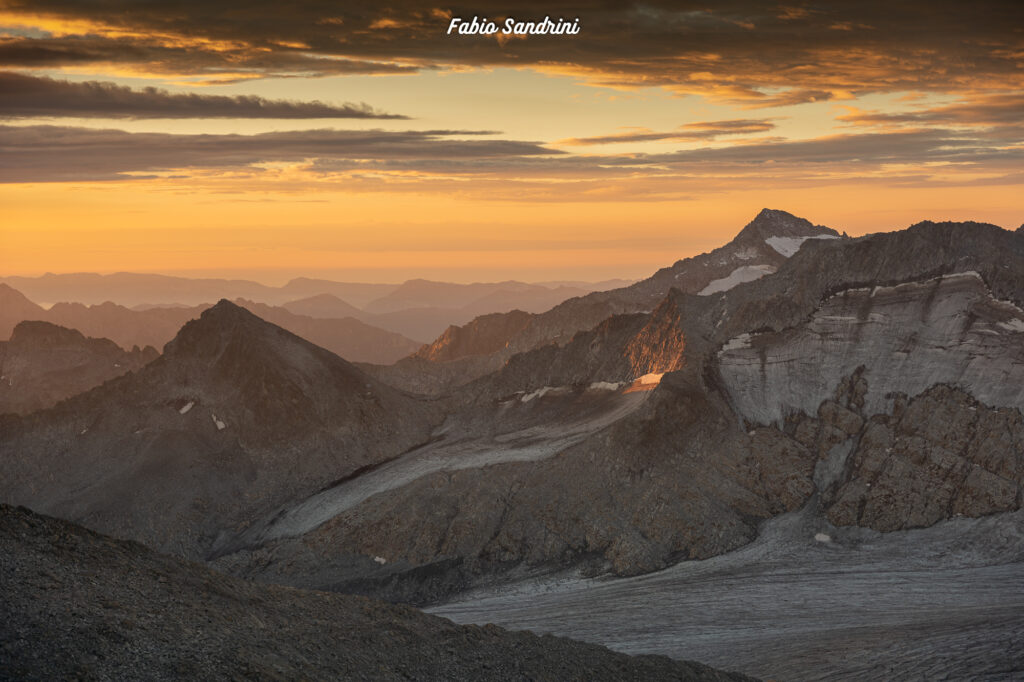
{"points": [[187, 407], [218, 423], [787, 246]]}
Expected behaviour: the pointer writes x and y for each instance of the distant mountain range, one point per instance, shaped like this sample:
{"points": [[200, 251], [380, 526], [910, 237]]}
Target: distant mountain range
{"points": [[155, 326], [418, 309]]}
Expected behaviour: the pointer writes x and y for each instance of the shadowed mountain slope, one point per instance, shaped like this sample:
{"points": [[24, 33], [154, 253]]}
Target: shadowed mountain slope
{"points": [[237, 416]]}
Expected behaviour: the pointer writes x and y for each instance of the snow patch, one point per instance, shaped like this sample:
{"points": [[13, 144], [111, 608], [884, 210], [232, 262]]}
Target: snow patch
{"points": [[605, 386], [1013, 325], [650, 379], [738, 343], [822, 537], [744, 273], [380, 560], [188, 407], [787, 246], [746, 254], [539, 393], [218, 423]]}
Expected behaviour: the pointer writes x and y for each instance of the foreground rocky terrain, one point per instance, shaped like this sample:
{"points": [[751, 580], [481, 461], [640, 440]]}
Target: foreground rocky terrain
{"points": [[79, 605]]}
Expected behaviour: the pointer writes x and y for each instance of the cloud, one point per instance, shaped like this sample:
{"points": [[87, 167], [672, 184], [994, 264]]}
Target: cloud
{"points": [[444, 161], [993, 110], [60, 154], [24, 96], [705, 130], [739, 51], [188, 57]]}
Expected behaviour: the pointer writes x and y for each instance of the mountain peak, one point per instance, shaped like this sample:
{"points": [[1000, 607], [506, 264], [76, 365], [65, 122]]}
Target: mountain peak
{"points": [[775, 223], [208, 335]]}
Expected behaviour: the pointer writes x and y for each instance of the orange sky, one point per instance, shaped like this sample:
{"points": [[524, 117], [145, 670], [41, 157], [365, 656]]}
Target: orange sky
{"points": [[508, 164]]}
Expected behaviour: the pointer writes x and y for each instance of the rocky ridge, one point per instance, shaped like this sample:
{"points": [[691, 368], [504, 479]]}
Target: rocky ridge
{"points": [[750, 251]]}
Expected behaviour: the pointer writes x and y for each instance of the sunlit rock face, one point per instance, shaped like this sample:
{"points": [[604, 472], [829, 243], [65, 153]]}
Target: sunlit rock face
{"points": [[909, 337]]}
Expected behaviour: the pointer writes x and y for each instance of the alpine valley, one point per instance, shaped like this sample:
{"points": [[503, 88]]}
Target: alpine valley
{"points": [[798, 456]]}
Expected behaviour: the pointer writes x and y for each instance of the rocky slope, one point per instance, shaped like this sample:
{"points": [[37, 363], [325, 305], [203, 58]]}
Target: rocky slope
{"points": [[43, 364], [237, 417], [82, 605]]}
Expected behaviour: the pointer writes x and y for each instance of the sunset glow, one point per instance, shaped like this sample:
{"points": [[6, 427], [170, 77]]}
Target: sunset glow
{"points": [[369, 145]]}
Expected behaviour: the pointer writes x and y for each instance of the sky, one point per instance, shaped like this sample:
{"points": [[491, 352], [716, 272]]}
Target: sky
{"points": [[363, 142]]}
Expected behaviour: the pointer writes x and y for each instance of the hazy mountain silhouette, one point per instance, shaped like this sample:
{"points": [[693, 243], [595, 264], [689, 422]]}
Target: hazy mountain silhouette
{"points": [[43, 364], [155, 326]]}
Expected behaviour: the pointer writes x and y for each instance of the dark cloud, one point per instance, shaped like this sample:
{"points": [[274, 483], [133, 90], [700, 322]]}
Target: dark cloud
{"points": [[752, 53], [24, 96], [216, 64], [705, 130], [54, 154], [998, 110]]}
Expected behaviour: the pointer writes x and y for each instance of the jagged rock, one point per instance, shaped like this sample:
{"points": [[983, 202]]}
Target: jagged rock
{"points": [[945, 455]]}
